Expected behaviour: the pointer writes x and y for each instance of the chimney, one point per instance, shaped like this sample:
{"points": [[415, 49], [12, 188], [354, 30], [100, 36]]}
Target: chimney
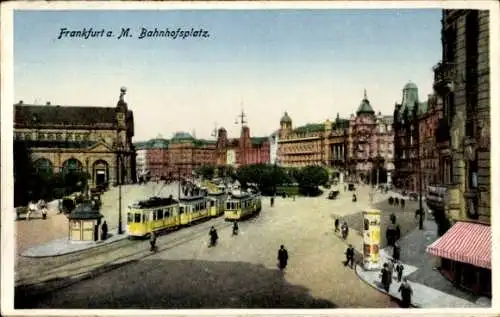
{"points": [[48, 103], [21, 102]]}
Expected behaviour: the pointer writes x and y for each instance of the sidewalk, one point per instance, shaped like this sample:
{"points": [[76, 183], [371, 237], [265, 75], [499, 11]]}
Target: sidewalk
{"points": [[64, 246], [430, 288]]}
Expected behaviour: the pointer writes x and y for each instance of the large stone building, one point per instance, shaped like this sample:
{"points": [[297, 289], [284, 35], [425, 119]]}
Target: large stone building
{"points": [[95, 140], [370, 143], [186, 154], [273, 147], [462, 80], [242, 151], [157, 157], [406, 139], [428, 155], [321, 144]]}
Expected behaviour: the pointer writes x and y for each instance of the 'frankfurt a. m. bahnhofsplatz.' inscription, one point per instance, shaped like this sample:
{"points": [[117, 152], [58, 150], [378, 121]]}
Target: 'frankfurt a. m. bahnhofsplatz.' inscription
{"points": [[140, 33]]}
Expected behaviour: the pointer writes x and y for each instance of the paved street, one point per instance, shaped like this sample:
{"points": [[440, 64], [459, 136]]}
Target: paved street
{"points": [[239, 272]]}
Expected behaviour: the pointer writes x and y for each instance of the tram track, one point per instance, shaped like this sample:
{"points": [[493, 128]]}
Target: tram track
{"points": [[119, 252]]}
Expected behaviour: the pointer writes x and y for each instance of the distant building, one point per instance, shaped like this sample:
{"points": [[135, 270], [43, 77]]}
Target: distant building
{"points": [[95, 140], [158, 157], [273, 147], [242, 151], [406, 139], [186, 154], [141, 149], [429, 155], [370, 142]]}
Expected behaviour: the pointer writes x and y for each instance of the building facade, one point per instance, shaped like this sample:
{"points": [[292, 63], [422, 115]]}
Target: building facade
{"points": [[406, 139], [243, 151], [158, 158], [93, 140], [141, 150], [370, 142], [186, 154], [428, 153], [273, 147], [462, 80]]}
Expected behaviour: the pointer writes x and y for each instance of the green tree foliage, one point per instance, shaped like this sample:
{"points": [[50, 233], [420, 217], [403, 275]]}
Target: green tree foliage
{"points": [[310, 178], [23, 172], [206, 171], [269, 177]]}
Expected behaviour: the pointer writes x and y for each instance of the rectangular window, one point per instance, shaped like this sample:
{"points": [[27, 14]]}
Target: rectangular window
{"points": [[130, 217], [181, 210], [159, 214], [137, 218]]}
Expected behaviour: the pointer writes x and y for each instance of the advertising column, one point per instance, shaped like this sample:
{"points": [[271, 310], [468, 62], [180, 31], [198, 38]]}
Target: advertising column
{"points": [[371, 239]]}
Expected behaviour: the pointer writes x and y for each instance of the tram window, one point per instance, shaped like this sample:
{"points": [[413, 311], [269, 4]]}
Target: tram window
{"points": [[212, 203], [166, 212], [159, 214], [137, 217], [181, 210], [152, 214], [130, 217]]}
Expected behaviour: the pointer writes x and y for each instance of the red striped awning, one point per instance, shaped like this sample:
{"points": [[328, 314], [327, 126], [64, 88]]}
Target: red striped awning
{"points": [[465, 242]]}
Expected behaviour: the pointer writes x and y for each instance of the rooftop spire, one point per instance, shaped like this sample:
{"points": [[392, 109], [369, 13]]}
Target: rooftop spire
{"points": [[365, 97]]}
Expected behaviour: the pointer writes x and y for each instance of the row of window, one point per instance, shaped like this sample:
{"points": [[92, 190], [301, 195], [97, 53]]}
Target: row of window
{"points": [[53, 136]]}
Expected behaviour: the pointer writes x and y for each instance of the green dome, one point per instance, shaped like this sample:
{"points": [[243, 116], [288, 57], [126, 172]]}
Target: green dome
{"points": [[158, 144], [182, 136], [286, 118], [410, 85], [365, 106]]}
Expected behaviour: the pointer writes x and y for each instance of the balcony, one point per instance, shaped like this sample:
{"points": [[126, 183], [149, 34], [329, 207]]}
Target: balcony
{"points": [[444, 74]]}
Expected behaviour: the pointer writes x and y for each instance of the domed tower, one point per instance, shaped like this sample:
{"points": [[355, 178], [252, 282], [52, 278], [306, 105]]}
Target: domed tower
{"points": [[410, 96], [285, 124], [365, 107]]}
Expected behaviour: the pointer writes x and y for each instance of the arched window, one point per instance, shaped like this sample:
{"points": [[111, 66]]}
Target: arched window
{"points": [[43, 166], [72, 166]]}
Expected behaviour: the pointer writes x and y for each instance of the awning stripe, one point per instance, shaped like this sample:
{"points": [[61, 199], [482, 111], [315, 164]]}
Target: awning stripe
{"points": [[465, 242]]}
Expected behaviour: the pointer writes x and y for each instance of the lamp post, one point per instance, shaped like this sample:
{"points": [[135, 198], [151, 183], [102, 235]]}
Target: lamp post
{"points": [[120, 178]]}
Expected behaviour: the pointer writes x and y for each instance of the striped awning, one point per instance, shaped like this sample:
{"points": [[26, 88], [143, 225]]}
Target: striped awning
{"points": [[465, 242]]}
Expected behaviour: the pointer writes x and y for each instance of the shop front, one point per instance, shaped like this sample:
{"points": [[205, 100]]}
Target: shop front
{"points": [[465, 252]]}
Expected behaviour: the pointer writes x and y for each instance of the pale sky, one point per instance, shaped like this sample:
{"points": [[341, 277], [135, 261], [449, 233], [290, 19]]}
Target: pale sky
{"points": [[311, 63]]}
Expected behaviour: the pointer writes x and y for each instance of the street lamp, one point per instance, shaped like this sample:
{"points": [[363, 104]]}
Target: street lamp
{"points": [[120, 179]]}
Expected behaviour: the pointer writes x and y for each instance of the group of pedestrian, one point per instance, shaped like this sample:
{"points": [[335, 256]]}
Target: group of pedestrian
{"points": [[343, 229]]}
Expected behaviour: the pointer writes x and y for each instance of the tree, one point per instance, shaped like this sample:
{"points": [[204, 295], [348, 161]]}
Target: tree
{"points": [[206, 171], [267, 177], [311, 177], [23, 173]]}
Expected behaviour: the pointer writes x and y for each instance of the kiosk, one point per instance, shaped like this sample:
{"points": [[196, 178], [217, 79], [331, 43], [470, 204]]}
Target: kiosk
{"points": [[84, 222]]}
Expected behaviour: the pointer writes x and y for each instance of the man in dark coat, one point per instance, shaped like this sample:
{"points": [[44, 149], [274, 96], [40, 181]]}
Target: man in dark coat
{"points": [[349, 254], [152, 241], [104, 230], [385, 278], [396, 251], [337, 225], [282, 257], [406, 293], [399, 270]]}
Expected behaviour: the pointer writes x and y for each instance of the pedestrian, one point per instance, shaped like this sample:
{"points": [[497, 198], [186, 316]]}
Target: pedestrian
{"points": [[399, 271], [272, 201], [282, 258], [406, 293], [396, 251], [104, 231], [390, 268], [337, 224], [152, 241], [402, 204], [386, 281], [349, 254]]}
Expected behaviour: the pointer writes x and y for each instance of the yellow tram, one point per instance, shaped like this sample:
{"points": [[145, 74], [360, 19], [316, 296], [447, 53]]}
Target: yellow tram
{"points": [[216, 202], [242, 205], [193, 208], [152, 214]]}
